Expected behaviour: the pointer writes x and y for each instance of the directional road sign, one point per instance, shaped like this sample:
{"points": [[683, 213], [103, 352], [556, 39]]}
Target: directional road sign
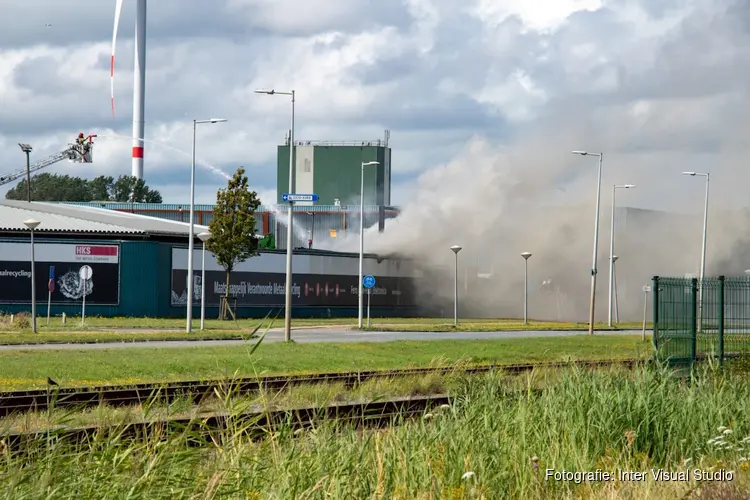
{"points": [[286, 197], [646, 288], [368, 281]]}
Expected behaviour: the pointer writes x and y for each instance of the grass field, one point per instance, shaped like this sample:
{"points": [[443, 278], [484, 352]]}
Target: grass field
{"points": [[29, 368], [483, 446], [99, 329]]}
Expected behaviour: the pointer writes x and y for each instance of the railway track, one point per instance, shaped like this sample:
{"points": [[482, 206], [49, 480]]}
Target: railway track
{"points": [[201, 430], [118, 396]]}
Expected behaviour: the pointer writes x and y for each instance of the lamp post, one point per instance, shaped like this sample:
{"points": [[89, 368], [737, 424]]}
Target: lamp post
{"points": [[32, 224], [703, 247], [289, 230], [26, 148], [360, 287], [612, 248], [204, 237], [592, 303], [191, 243], [526, 256], [455, 249]]}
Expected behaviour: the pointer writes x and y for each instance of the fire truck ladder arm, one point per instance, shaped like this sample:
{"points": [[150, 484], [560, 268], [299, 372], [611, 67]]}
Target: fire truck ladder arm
{"points": [[73, 153]]}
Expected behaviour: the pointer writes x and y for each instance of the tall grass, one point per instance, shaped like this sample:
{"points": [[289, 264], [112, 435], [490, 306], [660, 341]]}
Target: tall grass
{"points": [[487, 445]]}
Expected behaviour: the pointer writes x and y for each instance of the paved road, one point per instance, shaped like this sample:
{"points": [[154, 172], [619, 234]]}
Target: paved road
{"points": [[321, 335]]}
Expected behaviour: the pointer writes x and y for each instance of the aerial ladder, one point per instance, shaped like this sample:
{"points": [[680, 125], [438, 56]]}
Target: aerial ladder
{"points": [[80, 151]]}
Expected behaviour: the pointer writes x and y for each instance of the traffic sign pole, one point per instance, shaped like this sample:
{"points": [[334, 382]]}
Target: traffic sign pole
{"points": [[83, 305], [50, 289], [368, 282], [85, 274]]}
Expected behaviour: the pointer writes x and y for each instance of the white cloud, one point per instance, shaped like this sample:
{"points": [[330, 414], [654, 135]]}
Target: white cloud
{"points": [[537, 15], [632, 78]]}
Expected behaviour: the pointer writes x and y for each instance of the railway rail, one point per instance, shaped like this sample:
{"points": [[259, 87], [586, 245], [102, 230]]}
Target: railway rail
{"points": [[202, 430], [118, 396]]}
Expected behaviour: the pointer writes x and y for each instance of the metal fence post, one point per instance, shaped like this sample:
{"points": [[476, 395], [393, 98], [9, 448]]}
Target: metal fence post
{"points": [[693, 318], [655, 325], [721, 320]]}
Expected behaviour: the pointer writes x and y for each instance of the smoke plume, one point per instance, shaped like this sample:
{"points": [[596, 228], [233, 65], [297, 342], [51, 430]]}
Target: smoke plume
{"points": [[685, 108]]}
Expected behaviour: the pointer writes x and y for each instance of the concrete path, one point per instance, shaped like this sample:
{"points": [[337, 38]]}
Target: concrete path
{"points": [[320, 335]]}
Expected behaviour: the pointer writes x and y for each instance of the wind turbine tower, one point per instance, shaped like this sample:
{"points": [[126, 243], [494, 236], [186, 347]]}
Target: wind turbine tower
{"points": [[139, 81]]}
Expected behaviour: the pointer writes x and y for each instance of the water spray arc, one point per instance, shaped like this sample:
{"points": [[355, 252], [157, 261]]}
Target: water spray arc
{"points": [[139, 81]]}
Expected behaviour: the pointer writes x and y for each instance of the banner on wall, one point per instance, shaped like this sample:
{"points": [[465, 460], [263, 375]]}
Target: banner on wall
{"points": [[56, 270], [269, 289], [318, 281]]}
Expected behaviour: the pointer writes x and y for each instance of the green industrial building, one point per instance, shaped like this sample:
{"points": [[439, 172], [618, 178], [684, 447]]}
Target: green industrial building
{"points": [[332, 170], [139, 267]]}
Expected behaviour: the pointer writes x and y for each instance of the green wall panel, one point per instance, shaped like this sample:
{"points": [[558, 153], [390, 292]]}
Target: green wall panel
{"points": [[336, 172]]}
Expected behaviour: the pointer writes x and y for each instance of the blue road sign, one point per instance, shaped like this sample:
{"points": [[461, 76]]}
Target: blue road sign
{"points": [[286, 197], [368, 281]]}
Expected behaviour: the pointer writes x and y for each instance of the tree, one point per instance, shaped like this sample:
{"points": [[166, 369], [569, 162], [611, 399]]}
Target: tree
{"points": [[232, 229], [126, 184], [100, 188], [51, 187], [54, 187]]}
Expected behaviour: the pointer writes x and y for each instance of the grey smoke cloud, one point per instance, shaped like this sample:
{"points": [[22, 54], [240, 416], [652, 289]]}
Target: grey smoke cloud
{"points": [[654, 115]]}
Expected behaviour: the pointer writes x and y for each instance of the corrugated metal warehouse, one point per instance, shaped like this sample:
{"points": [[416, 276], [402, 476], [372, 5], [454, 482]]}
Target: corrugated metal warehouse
{"points": [[139, 268]]}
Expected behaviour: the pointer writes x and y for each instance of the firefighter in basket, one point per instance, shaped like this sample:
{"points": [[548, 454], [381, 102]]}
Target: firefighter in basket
{"points": [[83, 145]]}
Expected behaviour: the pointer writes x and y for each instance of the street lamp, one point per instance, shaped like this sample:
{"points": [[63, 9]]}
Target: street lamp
{"points": [[26, 148], [289, 230], [191, 246], [612, 248], [526, 256], [703, 247], [596, 237], [33, 224], [204, 237], [360, 287], [455, 249]]}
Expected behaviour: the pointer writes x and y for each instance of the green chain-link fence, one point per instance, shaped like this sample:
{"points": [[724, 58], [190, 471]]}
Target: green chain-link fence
{"points": [[695, 319]]}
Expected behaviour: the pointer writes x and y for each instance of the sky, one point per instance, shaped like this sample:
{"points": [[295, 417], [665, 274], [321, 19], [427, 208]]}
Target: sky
{"points": [[658, 86]]}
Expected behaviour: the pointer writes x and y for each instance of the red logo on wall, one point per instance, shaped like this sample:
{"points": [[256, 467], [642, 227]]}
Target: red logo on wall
{"points": [[85, 250], [306, 289], [337, 289], [317, 289]]}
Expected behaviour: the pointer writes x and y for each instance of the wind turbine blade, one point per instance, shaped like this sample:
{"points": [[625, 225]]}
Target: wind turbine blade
{"points": [[118, 11]]}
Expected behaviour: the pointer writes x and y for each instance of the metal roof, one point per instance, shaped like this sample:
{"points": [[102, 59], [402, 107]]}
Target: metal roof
{"points": [[185, 207], [59, 218]]}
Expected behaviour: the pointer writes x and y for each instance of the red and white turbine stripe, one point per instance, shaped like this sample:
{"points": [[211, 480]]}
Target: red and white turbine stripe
{"points": [[118, 11]]}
